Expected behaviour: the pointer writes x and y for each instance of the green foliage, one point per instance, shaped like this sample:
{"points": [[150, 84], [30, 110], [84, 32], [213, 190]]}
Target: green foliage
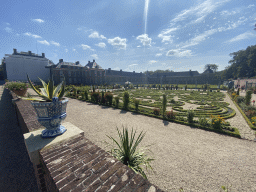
{"points": [[136, 102], [172, 101], [203, 121], [217, 122], [13, 85], [156, 111], [190, 116], [95, 97], [237, 92], [103, 101], [248, 97], [109, 98], [117, 101], [93, 89], [86, 95], [126, 151], [240, 99], [126, 100], [48, 92]]}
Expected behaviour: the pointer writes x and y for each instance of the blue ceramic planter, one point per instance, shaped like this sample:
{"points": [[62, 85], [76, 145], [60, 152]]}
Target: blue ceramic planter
{"points": [[50, 115]]}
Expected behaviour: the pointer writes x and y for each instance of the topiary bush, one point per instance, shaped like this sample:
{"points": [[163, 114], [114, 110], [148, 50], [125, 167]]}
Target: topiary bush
{"points": [[164, 104], [109, 98], [240, 99], [126, 100], [117, 101], [190, 116], [248, 97], [136, 103], [103, 100], [95, 97]]}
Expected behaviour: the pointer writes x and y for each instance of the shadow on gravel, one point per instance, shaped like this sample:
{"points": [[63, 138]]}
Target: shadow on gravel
{"points": [[134, 113], [123, 111], [165, 123]]}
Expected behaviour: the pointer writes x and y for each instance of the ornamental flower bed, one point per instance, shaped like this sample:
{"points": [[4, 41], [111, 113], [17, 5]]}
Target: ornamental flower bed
{"points": [[20, 88]]}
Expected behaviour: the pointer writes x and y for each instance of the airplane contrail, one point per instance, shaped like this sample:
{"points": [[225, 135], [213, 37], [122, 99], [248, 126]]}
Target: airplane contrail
{"points": [[146, 14]]}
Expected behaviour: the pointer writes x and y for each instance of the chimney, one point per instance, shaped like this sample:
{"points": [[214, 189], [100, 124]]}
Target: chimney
{"points": [[120, 70], [88, 62], [60, 60], [109, 69], [29, 53], [14, 51], [43, 55], [133, 71], [77, 63], [93, 60]]}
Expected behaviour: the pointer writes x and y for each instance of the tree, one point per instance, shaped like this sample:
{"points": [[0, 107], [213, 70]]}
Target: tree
{"points": [[213, 67], [164, 104]]}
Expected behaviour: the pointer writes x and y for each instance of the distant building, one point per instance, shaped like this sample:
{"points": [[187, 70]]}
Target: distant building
{"points": [[18, 65]]}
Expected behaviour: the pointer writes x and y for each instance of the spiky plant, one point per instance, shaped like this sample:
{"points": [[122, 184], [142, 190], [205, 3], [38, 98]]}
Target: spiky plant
{"points": [[126, 151], [48, 91]]}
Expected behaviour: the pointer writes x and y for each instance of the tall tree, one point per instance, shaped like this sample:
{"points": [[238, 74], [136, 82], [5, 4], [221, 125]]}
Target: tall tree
{"points": [[213, 67]]}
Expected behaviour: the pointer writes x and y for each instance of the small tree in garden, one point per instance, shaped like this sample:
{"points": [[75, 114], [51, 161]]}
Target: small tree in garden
{"points": [[171, 115], [248, 97], [93, 89], [156, 111], [177, 87], [186, 87], [136, 102], [237, 92], [164, 104], [95, 97], [102, 98], [117, 101], [190, 116], [126, 100], [109, 98], [159, 86], [86, 95]]}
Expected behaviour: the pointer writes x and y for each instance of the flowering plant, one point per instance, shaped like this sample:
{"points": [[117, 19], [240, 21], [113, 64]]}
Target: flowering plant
{"points": [[253, 102], [217, 121], [13, 85]]}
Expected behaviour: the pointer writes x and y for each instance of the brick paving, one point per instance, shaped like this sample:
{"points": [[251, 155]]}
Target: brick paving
{"points": [[16, 169]]}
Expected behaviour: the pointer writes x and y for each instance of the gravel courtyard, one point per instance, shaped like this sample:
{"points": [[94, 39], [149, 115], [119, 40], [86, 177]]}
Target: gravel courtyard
{"points": [[193, 159]]}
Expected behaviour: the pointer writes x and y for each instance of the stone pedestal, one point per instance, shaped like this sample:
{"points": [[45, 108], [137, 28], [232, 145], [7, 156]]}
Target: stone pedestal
{"points": [[34, 142]]}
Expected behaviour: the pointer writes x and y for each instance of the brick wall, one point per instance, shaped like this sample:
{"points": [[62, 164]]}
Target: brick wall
{"points": [[78, 164]]}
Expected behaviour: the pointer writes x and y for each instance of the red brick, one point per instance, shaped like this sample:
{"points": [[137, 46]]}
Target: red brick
{"points": [[66, 180], [94, 185], [111, 171]]}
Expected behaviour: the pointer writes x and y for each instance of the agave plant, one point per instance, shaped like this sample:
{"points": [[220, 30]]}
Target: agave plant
{"points": [[48, 92], [126, 151]]}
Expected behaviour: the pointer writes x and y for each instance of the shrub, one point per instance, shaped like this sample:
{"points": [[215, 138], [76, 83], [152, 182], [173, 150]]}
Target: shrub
{"points": [[93, 89], [126, 100], [203, 121], [156, 111], [190, 116], [13, 85], [250, 113], [117, 101], [95, 97], [218, 90], [248, 97], [171, 115], [103, 101], [109, 98], [253, 120], [237, 92], [126, 151], [240, 99], [136, 102], [217, 121], [172, 101]]}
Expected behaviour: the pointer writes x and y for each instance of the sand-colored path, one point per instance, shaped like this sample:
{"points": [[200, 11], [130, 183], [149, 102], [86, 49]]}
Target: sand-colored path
{"points": [[193, 159]]}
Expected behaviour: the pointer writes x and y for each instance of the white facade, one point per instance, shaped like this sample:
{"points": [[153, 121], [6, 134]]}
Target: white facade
{"points": [[18, 66]]}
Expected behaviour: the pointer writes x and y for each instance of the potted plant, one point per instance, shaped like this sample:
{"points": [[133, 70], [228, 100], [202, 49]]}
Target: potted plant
{"points": [[19, 88], [50, 107]]}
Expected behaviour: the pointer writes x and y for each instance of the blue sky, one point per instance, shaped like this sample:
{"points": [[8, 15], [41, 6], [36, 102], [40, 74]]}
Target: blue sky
{"points": [[130, 35]]}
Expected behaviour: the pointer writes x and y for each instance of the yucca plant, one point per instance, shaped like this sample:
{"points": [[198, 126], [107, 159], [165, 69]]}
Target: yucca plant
{"points": [[126, 151], [48, 91]]}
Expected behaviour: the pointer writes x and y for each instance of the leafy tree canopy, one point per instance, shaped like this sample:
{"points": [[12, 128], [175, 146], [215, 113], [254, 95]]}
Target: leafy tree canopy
{"points": [[213, 67]]}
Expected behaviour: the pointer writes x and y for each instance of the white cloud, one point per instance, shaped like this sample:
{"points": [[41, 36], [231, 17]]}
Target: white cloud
{"points": [[8, 29], [32, 35], [7, 23], [95, 56], [252, 5], [102, 45], [38, 20], [138, 46], [167, 38], [118, 42], [95, 34], [66, 50], [85, 47], [55, 43], [44, 42], [132, 65], [74, 49], [159, 54], [179, 53], [144, 39], [167, 31], [246, 35], [200, 11], [227, 13]]}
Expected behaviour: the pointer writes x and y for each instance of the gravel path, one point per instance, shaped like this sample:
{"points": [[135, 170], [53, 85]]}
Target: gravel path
{"points": [[193, 159], [239, 122]]}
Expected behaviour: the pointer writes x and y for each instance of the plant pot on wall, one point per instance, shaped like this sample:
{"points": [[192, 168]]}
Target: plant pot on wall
{"points": [[50, 115]]}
